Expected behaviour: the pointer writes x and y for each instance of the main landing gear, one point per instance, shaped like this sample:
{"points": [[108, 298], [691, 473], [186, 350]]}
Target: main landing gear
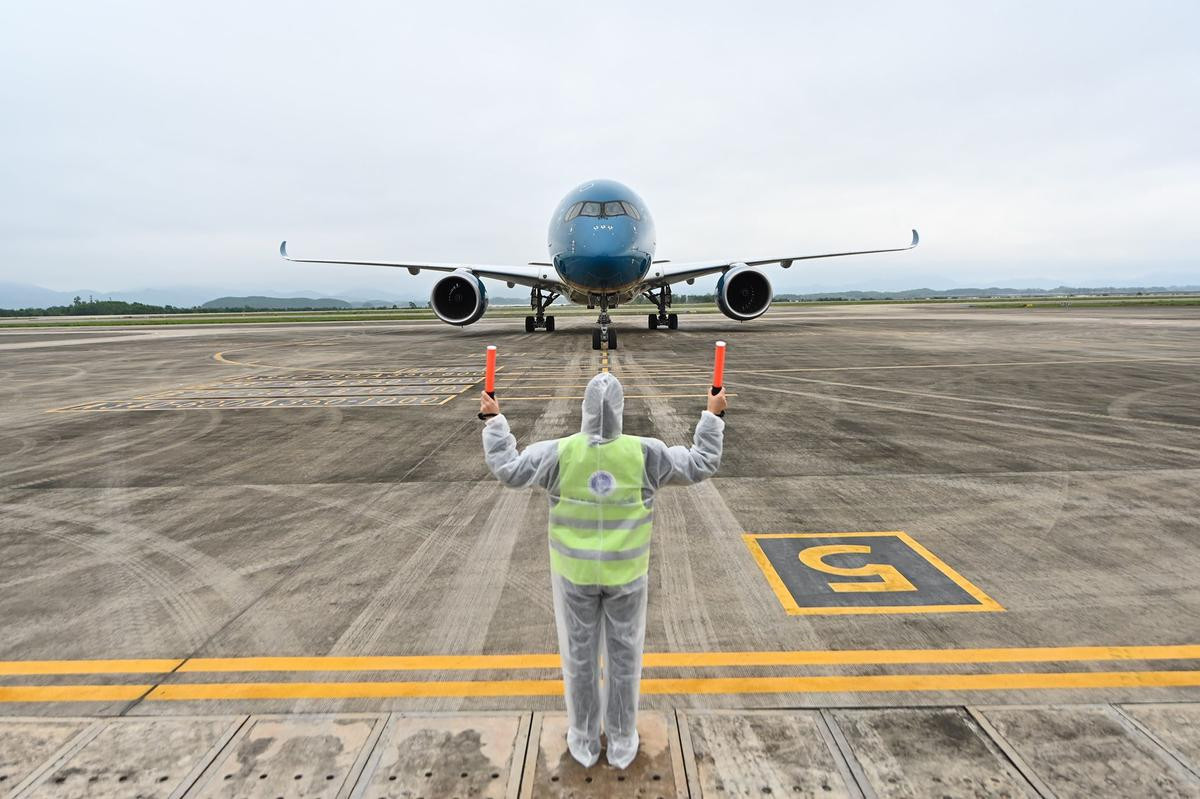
{"points": [[602, 335], [539, 301], [662, 319]]}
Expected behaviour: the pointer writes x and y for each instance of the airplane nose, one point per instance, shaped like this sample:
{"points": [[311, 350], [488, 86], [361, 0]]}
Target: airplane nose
{"points": [[604, 254], [604, 237]]}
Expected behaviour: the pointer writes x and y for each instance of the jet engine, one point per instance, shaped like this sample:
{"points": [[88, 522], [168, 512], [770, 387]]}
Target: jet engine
{"points": [[743, 293], [459, 298]]}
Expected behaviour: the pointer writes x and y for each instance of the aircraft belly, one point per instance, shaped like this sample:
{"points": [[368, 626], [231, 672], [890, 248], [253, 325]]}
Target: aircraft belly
{"points": [[584, 276]]}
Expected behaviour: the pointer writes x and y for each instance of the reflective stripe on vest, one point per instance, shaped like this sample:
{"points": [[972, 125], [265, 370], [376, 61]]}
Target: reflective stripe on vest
{"points": [[599, 528]]}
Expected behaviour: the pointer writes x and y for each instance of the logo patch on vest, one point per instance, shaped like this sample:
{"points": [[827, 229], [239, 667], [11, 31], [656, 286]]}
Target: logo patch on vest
{"points": [[602, 483]]}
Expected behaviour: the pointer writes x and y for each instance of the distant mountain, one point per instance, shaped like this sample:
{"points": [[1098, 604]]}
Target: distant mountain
{"points": [[274, 303], [23, 295], [293, 304]]}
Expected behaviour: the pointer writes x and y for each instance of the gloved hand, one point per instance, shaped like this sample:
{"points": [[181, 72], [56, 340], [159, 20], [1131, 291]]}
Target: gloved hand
{"points": [[717, 403], [488, 405]]}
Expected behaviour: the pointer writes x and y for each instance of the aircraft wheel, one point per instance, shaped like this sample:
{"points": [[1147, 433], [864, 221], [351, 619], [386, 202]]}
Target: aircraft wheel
{"points": [[549, 324], [673, 321], [652, 321], [596, 338], [612, 339], [528, 324]]}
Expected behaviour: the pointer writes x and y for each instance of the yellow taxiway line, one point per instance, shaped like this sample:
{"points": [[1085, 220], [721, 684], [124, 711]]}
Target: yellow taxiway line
{"points": [[703, 685], [691, 395], [846, 657], [43, 667]]}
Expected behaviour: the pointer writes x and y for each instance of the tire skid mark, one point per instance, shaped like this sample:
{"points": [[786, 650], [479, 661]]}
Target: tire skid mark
{"points": [[469, 603], [1120, 407], [187, 615], [212, 423], [392, 600], [169, 422], [229, 587], [685, 617], [720, 531]]}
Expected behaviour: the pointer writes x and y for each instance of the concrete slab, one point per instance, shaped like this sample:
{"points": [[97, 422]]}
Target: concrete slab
{"points": [[448, 755], [27, 744], [927, 752], [1176, 726], [296, 756], [656, 772], [137, 757], [1086, 751], [760, 753]]}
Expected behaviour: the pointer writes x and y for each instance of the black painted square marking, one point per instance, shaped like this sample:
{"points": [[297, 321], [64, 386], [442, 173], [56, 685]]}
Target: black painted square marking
{"points": [[843, 573]]}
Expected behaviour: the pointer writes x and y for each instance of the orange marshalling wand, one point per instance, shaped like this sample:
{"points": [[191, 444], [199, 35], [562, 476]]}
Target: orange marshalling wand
{"points": [[719, 367], [718, 370], [489, 379]]}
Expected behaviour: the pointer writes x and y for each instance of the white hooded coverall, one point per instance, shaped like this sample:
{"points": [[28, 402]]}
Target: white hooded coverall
{"points": [[602, 620]]}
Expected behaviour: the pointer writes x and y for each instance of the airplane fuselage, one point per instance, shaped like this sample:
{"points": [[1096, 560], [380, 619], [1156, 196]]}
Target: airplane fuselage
{"points": [[601, 241]]}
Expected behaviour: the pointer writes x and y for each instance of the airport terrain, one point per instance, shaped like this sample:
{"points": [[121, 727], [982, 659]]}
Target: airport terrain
{"points": [[950, 550]]}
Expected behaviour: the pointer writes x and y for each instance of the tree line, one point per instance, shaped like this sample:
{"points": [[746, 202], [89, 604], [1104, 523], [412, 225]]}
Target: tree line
{"points": [[92, 307]]}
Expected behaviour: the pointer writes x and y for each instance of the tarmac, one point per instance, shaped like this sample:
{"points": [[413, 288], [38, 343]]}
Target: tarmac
{"points": [[950, 551]]}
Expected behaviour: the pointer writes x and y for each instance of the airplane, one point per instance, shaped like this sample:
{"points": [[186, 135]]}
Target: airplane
{"points": [[601, 243]]}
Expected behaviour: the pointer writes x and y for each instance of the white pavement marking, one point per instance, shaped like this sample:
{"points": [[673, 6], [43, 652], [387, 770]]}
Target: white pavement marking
{"points": [[996, 403], [1025, 428]]}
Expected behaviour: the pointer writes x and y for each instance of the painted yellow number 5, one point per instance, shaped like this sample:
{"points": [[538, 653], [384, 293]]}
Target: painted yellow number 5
{"points": [[890, 578]]}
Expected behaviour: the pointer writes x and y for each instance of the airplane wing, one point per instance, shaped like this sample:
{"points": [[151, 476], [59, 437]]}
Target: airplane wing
{"points": [[674, 273], [540, 276]]}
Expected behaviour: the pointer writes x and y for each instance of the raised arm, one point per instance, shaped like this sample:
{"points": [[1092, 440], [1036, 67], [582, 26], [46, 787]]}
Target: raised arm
{"points": [[535, 466], [685, 465]]}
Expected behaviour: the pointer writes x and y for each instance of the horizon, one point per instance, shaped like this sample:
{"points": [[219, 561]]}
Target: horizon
{"points": [[146, 296]]}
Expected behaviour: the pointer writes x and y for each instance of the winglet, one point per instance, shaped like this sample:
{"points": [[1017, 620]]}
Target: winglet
{"points": [[916, 239], [283, 248]]}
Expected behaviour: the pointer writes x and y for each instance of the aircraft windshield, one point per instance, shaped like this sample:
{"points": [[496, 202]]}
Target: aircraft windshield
{"points": [[602, 209]]}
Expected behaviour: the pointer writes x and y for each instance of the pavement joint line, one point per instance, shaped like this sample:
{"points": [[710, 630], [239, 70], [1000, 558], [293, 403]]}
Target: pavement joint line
{"points": [[1010, 753], [863, 683], [1166, 750], [843, 754], [851, 657]]}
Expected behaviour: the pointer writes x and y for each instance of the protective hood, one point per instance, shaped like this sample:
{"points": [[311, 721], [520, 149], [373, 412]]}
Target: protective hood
{"points": [[603, 407]]}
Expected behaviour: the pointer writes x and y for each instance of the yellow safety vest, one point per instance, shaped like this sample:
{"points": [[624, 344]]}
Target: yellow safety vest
{"points": [[599, 527]]}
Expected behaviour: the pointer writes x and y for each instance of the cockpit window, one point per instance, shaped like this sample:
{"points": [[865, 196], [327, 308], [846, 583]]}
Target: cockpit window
{"points": [[605, 209]]}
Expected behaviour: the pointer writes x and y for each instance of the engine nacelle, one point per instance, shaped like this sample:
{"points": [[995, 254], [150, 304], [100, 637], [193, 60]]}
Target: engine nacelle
{"points": [[743, 293], [459, 298]]}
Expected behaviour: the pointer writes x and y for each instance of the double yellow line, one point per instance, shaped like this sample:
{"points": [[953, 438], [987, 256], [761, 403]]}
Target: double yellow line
{"points": [[159, 691]]}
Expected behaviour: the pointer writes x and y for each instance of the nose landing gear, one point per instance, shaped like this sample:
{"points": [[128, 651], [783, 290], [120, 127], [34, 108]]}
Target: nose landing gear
{"points": [[602, 335]]}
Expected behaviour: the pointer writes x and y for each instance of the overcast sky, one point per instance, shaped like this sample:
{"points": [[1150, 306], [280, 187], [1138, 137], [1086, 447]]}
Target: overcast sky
{"points": [[159, 144]]}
